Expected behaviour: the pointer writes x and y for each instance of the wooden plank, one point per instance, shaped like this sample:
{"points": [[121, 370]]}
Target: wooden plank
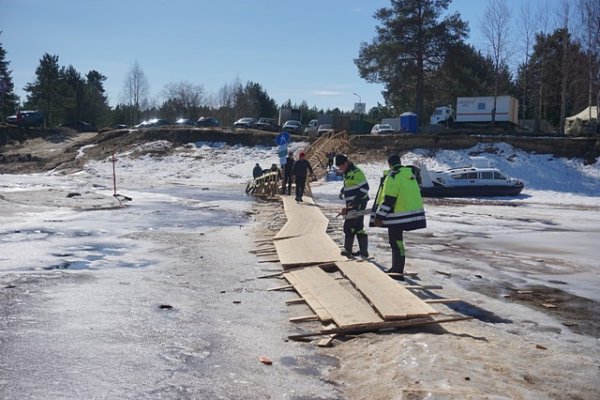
{"points": [[408, 323], [423, 287], [280, 288], [302, 218], [311, 301], [304, 318], [315, 248], [295, 301], [326, 342], [394, 274], [344, 308], [441, 301], [274, 260], [391, 300], [274, 275]]}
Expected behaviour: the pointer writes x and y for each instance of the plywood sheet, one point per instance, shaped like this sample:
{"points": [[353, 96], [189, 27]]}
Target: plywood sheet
{"points": [[302, 218], [388, 297], [311, 301], [345, 309], [315, 248]]}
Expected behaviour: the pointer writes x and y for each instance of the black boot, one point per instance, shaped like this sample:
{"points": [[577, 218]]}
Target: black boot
{"points": [[398, 267], [363, 245], [348, 242]]}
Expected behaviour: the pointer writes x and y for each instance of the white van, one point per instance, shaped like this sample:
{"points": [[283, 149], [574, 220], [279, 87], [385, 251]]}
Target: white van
{"points": [[311, 129]]}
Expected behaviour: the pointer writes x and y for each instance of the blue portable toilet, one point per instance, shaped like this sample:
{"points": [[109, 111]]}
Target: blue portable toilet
{"points": [[409, 122]]}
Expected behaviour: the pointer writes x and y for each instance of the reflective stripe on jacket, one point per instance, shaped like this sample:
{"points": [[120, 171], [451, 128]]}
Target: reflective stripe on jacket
{"points": [[356, 187], [400, 203]]}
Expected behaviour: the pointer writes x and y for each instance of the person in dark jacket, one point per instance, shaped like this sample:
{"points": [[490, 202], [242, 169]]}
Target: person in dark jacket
{"points": [[287, 174], [257, 171], [300, 172]]}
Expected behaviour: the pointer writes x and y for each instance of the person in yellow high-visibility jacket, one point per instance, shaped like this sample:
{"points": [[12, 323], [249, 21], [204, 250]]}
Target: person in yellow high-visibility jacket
{"points": [[355, 192], [399, 208]]}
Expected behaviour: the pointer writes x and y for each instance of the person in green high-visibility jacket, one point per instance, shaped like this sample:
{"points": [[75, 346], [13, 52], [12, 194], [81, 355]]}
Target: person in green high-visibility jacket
{"points": [[399, 208], [355, 192]]}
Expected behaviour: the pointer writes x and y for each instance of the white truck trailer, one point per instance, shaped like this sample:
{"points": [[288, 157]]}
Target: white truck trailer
{"points": [[477, 110], [393, 122]]}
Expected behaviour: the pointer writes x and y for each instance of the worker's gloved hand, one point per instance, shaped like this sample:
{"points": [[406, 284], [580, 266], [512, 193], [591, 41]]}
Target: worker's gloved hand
{"points": [[378, 222]]}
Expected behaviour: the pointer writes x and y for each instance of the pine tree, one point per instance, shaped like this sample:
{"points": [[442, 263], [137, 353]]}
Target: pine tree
{"points": [[411, 44], [44, 92], [8, 99]]}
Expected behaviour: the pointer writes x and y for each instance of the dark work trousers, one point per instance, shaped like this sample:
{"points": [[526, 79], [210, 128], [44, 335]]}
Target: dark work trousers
{"points": [[398, 253], [287, 181], [355, 226], [300, 183]]}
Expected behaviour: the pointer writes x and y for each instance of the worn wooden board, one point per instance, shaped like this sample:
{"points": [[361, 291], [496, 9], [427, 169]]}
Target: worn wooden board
{"points": [[311, 301], [345, 309], [302, 218], [315, 248], [390, 299]]}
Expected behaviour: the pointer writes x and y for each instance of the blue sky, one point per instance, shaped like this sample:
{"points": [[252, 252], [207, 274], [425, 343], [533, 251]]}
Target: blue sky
{"points": [[295, 50]]}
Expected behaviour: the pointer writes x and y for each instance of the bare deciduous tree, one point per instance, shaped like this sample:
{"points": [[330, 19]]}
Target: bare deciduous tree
{"points": [[590, 38], [495, 29], [564, 14], [136, 91], [528, 26], [184, 99]]}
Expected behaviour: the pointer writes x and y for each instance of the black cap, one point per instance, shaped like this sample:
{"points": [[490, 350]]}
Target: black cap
{"points": [[394, 159], [340, 159]]}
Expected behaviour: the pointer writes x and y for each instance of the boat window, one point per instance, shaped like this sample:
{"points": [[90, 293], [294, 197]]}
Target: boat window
{"points": [[498, 175], [465, 175], [487, 175], [459, 176]]}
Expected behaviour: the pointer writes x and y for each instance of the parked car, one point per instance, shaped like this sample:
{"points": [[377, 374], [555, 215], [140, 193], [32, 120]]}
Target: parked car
{"points": [[208, 121], [11, 119], [325, 129], [30, 118], [267, 124], [292, 126], [185, 121], [153, 122], [382, 129], [311, 129], [245, 122]]}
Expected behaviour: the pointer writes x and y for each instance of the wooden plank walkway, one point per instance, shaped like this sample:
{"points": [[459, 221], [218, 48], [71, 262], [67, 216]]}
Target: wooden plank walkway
{"points": [[302, 218], [390, 299], [303, 239], [363, 299], [345, 309], [316, 248]]}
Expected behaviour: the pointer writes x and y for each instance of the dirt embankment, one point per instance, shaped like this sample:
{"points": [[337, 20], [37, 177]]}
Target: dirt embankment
{"points": [[587, 148], [34, 150]]}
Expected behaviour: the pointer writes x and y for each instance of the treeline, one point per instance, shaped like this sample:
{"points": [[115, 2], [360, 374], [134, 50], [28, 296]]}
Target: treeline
{"points": [[423, 61], [418, 54]]}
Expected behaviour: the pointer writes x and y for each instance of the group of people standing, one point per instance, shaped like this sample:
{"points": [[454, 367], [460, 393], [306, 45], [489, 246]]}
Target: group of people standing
{"points": [[398, 206], [296, 171], [293, 171]]}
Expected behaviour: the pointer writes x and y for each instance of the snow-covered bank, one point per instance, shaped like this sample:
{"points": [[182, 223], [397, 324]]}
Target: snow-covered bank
{"points": [[83, 283]]}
